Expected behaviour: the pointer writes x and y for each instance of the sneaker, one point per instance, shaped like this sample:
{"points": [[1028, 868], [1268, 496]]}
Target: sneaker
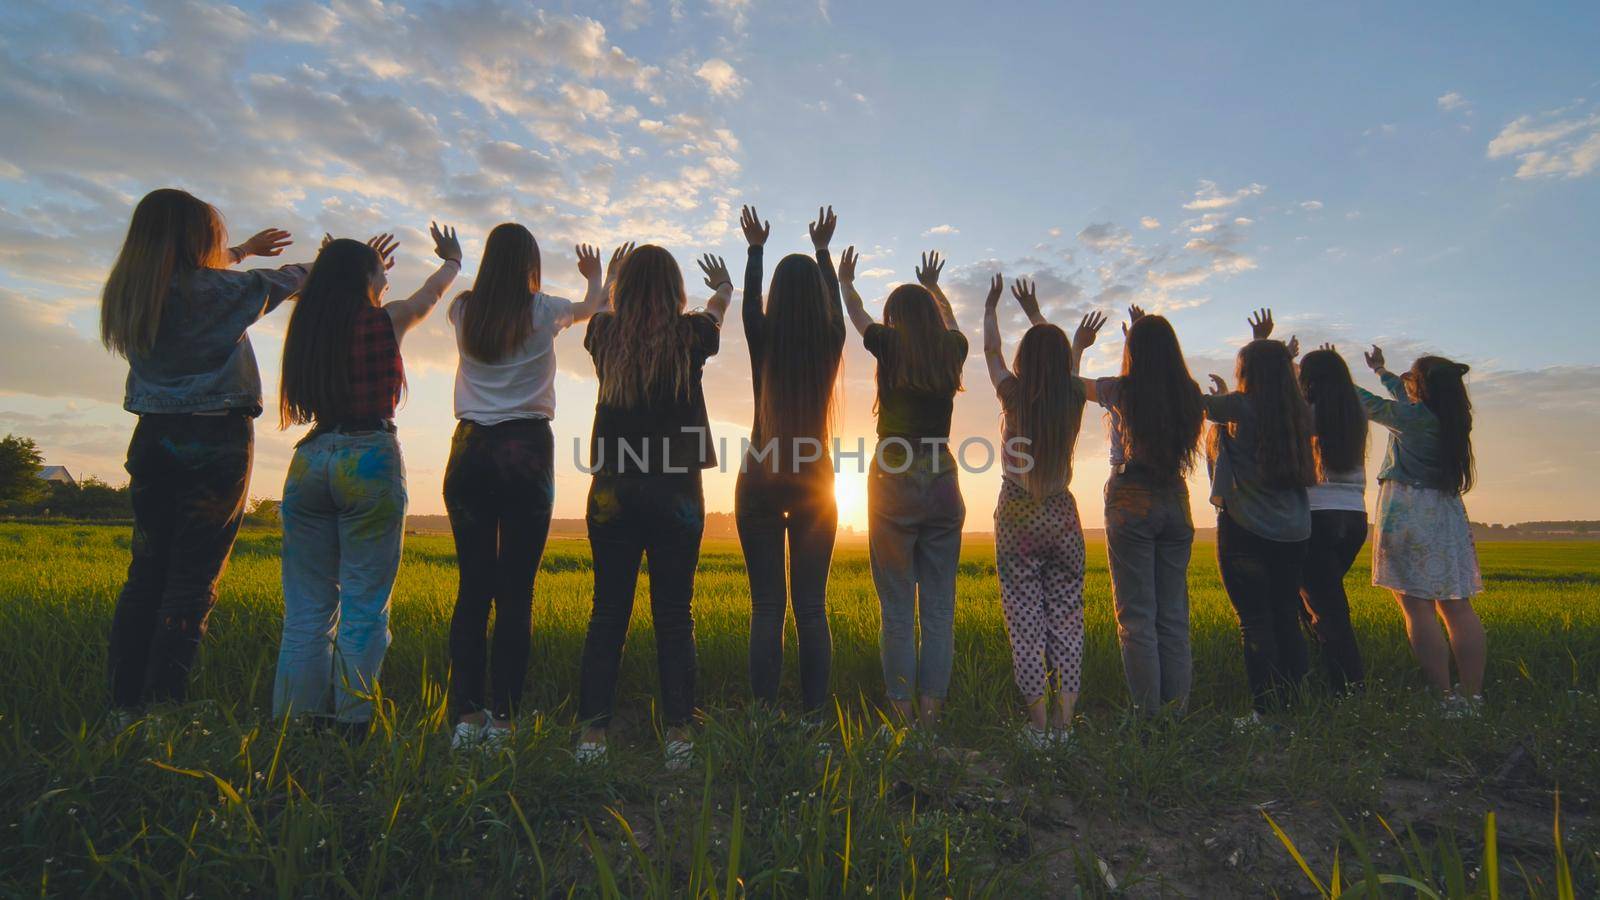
{"points": [[1035, 739], [467, 735], [591, 752], [679, 755], [1461, 706], [1063, 739], [494, 737], [1244, 724]]}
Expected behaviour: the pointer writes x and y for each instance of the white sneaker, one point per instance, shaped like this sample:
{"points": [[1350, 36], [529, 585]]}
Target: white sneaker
{"points": [[591, 752], [1460, 706], [1034, 739], [679, 755], [494, 737], [467, 735], [1248, 723]]}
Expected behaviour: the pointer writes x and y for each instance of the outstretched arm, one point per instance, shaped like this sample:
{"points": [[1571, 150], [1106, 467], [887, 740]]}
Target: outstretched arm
{"points": [[928, 275], [268, 242], [750, 310], [405, 314], [1028, 298], [717, 279], [594, 299], [852, 300], [993, 349], [821, 235], [1082, 339]]}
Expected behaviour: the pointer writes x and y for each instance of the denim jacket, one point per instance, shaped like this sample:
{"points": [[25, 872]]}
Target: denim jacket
{"points": [[1413, 457], [202, 360]]}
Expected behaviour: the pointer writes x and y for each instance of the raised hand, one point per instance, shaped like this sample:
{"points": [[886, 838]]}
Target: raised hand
{"points": [[385, 244], [1135, 313], [1294, 346], [445, 243], [1218, 386], [928, 272], [716, 273], [1374, 358], [1027, 298], [847, 265], [755, 231], [615, 265], [326, 240], [588, 261], [1088, 330], [1261, 324], [996, 286], [269, 242], [1328, 347], [822, 228]]}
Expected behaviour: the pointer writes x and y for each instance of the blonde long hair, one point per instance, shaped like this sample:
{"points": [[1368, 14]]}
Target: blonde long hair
{"points": [[647, 356], [172, 231]]}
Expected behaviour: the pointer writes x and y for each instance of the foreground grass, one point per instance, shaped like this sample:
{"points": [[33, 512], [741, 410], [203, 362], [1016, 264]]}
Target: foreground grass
{"points": [[216, 798]]}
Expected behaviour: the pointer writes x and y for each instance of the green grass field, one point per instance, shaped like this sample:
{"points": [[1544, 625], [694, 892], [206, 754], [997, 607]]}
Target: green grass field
{"points": [[215, 798]]}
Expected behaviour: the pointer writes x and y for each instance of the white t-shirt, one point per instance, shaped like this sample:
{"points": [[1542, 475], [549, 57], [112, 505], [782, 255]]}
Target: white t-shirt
{"points": [[521, 386], [1340, 491]]}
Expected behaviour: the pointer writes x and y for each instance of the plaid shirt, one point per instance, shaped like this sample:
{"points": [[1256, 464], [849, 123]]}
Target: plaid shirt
{"points": [[376, 372]]}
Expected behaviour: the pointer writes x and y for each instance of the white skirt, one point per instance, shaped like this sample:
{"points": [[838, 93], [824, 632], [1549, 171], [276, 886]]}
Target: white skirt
{"points": [[1423, 545]]}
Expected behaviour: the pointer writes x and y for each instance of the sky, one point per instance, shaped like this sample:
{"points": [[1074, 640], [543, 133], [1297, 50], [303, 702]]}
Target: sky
{"points": [[1423, 176]]}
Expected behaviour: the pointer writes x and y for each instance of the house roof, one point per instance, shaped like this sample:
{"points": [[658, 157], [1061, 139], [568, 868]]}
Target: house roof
{"points": [[57, 473]]}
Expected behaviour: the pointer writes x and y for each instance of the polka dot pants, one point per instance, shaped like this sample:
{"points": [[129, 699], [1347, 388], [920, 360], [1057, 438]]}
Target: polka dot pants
{"points": [[1039, 554]]}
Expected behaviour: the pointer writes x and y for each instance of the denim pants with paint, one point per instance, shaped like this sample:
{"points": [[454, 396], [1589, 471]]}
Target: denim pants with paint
{"points": [[658, 519], [187, 476], [914, 519], [499, 489], [1149, 537], [344, 511]]}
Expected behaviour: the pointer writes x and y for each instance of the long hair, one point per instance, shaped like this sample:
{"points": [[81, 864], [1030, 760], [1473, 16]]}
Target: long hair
{"points": [[1047, 407], [801, 366], [315, 381], [1339, 424], [1265, 374], [172, 231], [647, 357], [916, 361], [494, 317], [1160, 401], [1440, 385]]}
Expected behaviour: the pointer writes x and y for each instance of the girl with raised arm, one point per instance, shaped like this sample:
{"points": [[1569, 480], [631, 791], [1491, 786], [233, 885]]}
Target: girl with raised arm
{"points": [[499, 486], [650, 441], [914, 505], [1261, 464], [1038, 539], [1338, 512], [1154, 415], [1424, 551], [784, 495], [344, 500], [176, 311]]}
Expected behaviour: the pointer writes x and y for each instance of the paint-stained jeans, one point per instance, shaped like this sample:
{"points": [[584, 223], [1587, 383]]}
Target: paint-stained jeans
{"points": [[914, 522], [1262, 579], [798, 510], [344, 511], [1336, 539], [658, 518], [499, 488], [1149, 536], [188, 477]]}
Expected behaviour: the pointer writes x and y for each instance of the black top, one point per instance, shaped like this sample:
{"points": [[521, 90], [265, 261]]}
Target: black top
{"points": [[755, 318], [655, 436], [905, 412]]}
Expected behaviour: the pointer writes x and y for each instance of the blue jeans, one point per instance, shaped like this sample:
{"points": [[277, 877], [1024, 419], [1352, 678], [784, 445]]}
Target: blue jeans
{"points": [[344, 511], [1149, 536], [914, 520]]}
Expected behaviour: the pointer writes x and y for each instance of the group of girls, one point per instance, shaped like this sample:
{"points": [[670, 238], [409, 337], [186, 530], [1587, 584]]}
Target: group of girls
{"points": [[1286, 453]]}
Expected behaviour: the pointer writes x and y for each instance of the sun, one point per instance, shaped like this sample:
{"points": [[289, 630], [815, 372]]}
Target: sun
{"points": [[850, 492]]}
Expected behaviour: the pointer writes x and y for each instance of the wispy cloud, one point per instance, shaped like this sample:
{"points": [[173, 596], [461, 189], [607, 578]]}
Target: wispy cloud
{"points": [[1209, 197], [720, 76], [938, 230], [1453, 101], [1562, 142]]}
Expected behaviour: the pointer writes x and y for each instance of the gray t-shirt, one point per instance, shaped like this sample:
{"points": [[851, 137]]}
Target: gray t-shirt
{"points": [[1237, 486]]}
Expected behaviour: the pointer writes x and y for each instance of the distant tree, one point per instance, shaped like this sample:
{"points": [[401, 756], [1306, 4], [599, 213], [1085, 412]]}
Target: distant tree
{"points": [[263, 513], [19, 470]]}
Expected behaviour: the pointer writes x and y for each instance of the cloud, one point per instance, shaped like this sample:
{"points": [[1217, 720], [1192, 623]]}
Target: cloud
{"points": [[1453, 101], [1311, 205], [1149, 223], [941, 230], [1208, 197], [720, 77], [45, 356], [879, 272], [1551, 143], [1105, 237]]}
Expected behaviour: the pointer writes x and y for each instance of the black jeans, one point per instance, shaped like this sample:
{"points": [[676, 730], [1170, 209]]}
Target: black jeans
{"points": [[188, 477], [659, 518], [1262, 579], [1336, 539], [770, 510], [499, 488]]}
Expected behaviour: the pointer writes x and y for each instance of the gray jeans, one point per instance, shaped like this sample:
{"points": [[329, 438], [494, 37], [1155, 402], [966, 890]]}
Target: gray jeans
{"points": [[914, 520], [1149, 535]]}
